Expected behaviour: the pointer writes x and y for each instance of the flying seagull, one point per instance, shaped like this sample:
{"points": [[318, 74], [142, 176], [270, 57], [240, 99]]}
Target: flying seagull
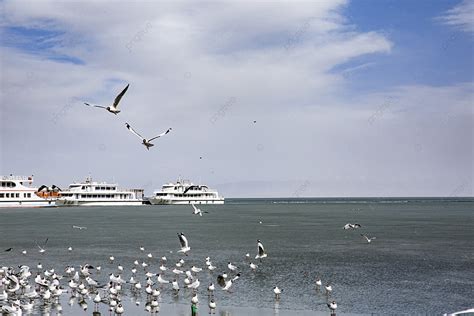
{"points": [[184, 244], [146, 142], [261, 251], [113, 108], [352, 226], [79, 227], [197, 211], [41, 249], [367, 238]]}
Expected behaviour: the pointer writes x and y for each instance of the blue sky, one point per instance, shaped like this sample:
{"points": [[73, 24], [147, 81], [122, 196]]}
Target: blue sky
{"points": [[357, 98], [425, 50]]}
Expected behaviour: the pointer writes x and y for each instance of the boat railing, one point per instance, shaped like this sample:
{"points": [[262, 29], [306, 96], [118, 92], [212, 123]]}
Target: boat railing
{"points": [[17, 178]]}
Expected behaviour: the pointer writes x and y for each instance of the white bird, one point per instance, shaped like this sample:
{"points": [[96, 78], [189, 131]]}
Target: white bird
{"points": [[41, 249], [119, 309], [196, 269], [142, 248], [231, 266], [212, 306], [24, 252], [161, 280], [277, 292], [111, 258], [352, 226], [147, 142], [177, 271], [91, 281], [155, 293], [211, 288], [195, 299], [194, 285], [184, 243], [260, 250], [211, 267], [69, 249], [114, 107], [197, 211], [253, 266], [79, 227], [332, 306], [229, 283], [175, 285], [367, 238], [328, 288], [471, 310], [318, 283], [97, 298]]}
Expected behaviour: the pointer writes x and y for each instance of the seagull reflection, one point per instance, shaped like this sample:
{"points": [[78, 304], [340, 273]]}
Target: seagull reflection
{"points": [[276, 307]]}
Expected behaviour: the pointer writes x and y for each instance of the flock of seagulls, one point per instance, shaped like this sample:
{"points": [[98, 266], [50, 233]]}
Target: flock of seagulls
{"points": [[350, 226], [23, 288], [114, 110]]}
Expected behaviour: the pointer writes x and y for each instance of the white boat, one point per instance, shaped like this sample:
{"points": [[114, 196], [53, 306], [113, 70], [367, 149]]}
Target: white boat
{"points": [[16, 191], [90, 193], [185, 192]]}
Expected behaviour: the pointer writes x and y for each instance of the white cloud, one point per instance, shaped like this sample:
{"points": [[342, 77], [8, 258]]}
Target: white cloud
{"points": [[184, 63], [460, 16]]}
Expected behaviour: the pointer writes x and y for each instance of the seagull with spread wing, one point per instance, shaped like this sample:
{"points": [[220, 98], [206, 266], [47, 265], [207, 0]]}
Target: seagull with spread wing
{"points": [[79, 227], [261, 251], [41, 249], [197, 211], [146, 142], [367, 238], [184, 244], [114, 107]]}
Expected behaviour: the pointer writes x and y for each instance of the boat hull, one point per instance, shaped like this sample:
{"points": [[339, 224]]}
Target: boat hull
{"points": [[34, 203], [160, 201], [65, 202]]}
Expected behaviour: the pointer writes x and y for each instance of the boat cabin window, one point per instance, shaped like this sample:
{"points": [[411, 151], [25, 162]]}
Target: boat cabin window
{"points": [[2, 195]]}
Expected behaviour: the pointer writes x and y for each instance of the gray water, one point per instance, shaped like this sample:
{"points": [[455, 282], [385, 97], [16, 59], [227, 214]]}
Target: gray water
{"points": [[421, 261]]}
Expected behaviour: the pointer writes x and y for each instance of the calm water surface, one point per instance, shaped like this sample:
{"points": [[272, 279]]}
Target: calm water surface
{"points": [[421, 261]]}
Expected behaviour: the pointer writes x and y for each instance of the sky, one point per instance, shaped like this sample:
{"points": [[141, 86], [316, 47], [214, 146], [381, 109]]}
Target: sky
{"points": [[350, 98]]}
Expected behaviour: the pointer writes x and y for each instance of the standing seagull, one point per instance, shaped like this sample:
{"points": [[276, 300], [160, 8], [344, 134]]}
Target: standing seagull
{"points": [[113, 108], [147, 142], [197, 211], [261, 251], [367, 238], [332, 306], [184, 244], [277, 292]]}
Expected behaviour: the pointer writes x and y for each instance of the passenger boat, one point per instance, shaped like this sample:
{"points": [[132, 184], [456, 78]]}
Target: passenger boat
{"points": [[91, 193], [185, 192], [17, 191]]}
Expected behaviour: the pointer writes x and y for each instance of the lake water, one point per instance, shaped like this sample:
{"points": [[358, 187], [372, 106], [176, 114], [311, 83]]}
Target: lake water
{"points": [[421, 262]]}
